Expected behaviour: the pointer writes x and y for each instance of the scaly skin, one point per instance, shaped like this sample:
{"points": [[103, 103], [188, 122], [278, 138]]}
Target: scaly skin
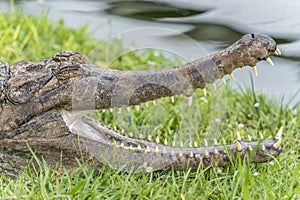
{"points": [[38, 99]]}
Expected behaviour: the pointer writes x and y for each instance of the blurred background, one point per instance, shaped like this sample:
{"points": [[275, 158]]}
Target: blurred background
{"points": [[192, 29]]}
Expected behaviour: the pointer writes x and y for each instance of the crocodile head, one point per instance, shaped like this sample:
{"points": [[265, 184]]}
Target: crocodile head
{"points": [[38, 97]]}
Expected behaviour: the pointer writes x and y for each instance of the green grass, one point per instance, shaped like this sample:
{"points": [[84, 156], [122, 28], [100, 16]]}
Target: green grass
{"points": [[37, 38]]}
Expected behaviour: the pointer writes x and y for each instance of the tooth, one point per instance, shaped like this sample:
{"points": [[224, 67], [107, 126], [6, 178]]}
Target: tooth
{"points": [[279, 134], [154, 102], [223, 140], [191, 154], [224, 81], [277, 52], [205, 143], [255, 71], [206, 153], [111, 110], [181, 143], [263, 148], [190, 100], [261, 136], [249, 138], [173, 143], [141, 136], [197, 155], [137, 107], [172, 99], [128, 108], [139, 147], [215, 142], [215, 86], [157, 140], [148, 149], [243, 70], [232, 77], [250, 148], [180, 153], [238, 136], [145, 164], [164, 150], [195, 144], [277, 144], [122, 145], [239, 146], [172, 152], [204, 92], [149, 138], [270, 61], [156, 149], [131, 147], [190, 144], [216, 152], [147, 104], [166, 141]]}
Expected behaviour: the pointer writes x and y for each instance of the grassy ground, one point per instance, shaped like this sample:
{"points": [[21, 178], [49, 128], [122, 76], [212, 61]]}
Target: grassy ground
{"points": [[23, 37]]}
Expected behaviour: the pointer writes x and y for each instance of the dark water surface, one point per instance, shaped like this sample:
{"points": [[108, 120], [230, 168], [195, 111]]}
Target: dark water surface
{"points": [[191, 29]]}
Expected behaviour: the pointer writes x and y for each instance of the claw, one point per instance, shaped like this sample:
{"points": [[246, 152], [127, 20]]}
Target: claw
{"points": [[270, 61], [255, 71], [277, 143], [277, 52]]}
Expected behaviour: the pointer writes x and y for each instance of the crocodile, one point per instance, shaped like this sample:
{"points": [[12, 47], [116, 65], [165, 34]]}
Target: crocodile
{"points": [[40, 102]]}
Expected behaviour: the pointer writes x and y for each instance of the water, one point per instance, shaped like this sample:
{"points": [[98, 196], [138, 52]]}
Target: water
{"points": [[191, 29]]}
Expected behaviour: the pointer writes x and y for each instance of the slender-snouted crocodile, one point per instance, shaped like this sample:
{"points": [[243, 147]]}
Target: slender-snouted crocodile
{"points": [[38, 99]]}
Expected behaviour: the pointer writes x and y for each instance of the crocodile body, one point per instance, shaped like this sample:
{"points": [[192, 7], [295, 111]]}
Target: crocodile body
{"points": [[39, 100]]}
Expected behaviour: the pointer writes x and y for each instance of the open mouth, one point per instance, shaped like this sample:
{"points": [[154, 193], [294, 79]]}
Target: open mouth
{"points": [[44, 102], [148, 152]]}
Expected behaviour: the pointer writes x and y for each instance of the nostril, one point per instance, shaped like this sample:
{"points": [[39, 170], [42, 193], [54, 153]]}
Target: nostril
{"points": [[252, 35]]}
